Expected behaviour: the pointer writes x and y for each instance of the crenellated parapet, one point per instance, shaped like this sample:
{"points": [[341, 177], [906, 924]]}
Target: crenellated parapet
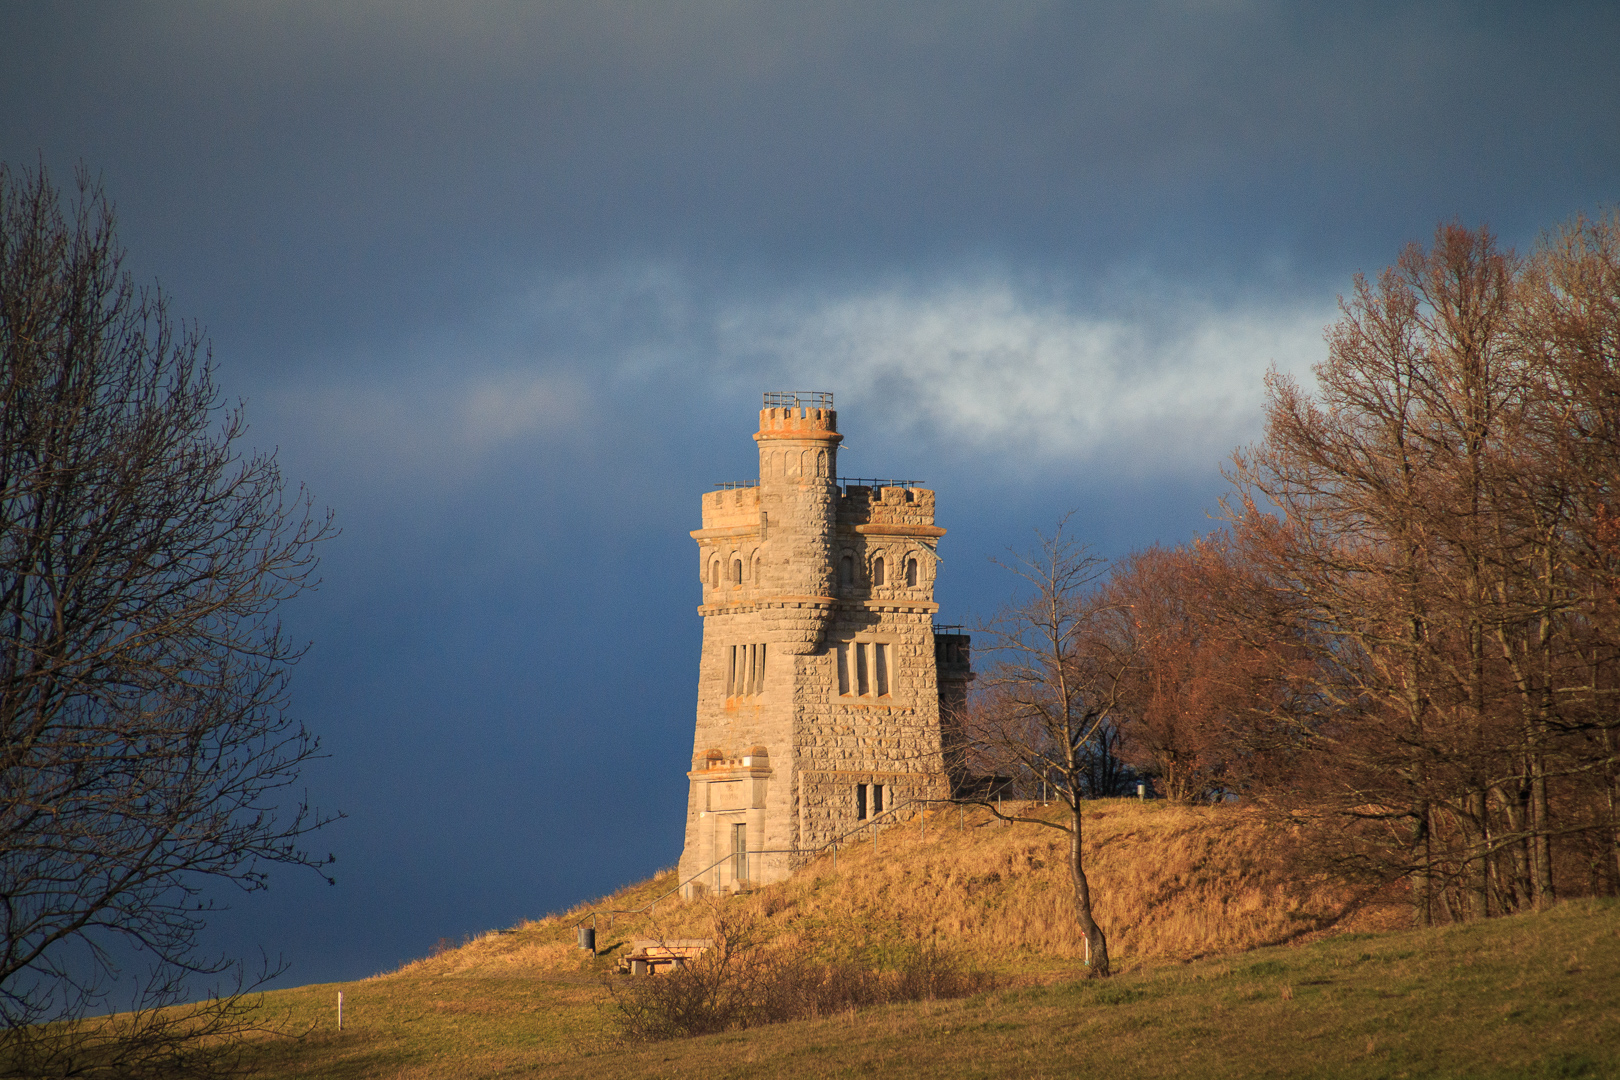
{"points": [[891, 504], [734, 506], [798, 422]]}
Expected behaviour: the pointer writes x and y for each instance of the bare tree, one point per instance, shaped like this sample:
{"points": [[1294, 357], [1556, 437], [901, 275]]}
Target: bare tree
{"points": [[146, 748], [1439, 510], [1383, 531], [1569, 327], [1060, 659]]}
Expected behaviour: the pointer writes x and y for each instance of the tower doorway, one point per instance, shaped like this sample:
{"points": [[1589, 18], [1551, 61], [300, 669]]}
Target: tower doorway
{"points": [[739, 851]]}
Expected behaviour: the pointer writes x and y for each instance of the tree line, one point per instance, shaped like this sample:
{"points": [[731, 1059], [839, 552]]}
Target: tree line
{"points": [[1404, 638]]}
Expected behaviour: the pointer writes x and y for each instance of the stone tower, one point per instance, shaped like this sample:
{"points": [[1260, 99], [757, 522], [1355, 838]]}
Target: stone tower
{"points": [[822, 673]]}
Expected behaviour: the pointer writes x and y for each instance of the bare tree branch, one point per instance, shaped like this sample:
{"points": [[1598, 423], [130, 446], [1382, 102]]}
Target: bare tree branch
{"points": [[146, 747]]}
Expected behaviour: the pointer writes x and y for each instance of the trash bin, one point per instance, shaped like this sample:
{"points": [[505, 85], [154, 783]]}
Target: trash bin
{"points": [[587, 938]]}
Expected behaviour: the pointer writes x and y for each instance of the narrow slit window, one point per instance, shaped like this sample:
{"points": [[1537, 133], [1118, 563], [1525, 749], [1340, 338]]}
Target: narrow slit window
{"points": [[714, 574], [911, 573], [880, 668], [745, 670], [862, 683], [843, 670], [877, 571], [736, 571], [877, 799], [846, 570], [860, 802]]}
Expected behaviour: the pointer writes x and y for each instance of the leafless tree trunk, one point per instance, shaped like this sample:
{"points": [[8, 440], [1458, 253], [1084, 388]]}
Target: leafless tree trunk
{"points": [[1060, 657]]}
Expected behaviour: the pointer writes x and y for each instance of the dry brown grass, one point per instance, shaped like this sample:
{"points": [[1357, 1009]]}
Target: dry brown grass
{"points": [[1530, 995], [1169, 882]]}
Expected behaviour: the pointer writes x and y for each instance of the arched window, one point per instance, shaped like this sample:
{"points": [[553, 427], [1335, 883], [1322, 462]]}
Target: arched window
{"points": [[911, 573], [821, 463], [714, 574], [877, 570], [804, 463], [736, 571], [758, 563], [846, 570]]}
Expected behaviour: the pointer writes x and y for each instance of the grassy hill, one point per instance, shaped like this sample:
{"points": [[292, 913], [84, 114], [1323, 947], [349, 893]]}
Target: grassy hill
{"points": [[1232, 966]]}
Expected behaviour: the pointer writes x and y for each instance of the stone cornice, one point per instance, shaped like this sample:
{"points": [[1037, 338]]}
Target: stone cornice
{"points": [[858, 774], [732, 772], [798, 435], [728, 533], [898, 604], [896, 530]]}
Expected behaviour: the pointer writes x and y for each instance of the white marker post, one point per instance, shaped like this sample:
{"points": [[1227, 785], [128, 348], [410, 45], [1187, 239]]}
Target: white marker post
{"points": [[340, 1010]]}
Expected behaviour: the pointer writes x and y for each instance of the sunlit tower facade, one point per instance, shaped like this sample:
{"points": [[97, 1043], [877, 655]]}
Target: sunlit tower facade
{"points": [[823, 679]]}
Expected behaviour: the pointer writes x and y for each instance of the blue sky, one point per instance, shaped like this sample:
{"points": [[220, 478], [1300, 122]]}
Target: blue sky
{"points": [[503, 283]]}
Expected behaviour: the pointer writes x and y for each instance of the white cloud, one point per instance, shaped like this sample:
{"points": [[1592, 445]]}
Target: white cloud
{"points": [[1179, 387], [1141, 384]]}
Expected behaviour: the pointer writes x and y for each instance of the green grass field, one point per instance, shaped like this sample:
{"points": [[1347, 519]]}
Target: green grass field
{"points": [[1229, 969], [1527, 996]]}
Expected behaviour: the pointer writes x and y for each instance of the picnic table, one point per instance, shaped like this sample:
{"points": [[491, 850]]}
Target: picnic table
{"points": [[648, 955]]}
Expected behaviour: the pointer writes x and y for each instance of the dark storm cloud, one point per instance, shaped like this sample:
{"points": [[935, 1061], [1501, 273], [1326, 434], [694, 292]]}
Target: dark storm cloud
{"points": [[427, 153]]}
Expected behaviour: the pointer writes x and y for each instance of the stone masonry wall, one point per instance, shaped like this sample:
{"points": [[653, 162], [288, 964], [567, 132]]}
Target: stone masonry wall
{"points": [[791, 571]]}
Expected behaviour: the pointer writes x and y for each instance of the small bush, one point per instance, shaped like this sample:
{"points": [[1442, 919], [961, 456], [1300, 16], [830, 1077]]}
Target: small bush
{"points": [[445, 945], [740, 982]]}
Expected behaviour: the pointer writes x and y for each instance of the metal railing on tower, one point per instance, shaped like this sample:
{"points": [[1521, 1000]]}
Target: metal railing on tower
{"points": [[798, 399]]}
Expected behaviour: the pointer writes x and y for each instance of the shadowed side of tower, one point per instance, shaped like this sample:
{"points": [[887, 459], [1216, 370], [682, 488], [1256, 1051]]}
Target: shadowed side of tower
{"points": [[818, 687]]}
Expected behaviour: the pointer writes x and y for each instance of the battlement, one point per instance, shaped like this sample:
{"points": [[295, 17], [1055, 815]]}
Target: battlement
{"points": [[898, 503], [733, 506], [797, 423], [798, 414]]}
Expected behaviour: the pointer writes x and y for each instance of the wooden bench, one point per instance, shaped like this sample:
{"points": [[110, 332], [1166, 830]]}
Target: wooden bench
{"points": [[647, 956]]}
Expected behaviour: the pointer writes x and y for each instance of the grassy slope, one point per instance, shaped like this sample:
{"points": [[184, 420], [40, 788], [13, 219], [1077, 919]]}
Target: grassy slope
{"points": [[1181, 891]]}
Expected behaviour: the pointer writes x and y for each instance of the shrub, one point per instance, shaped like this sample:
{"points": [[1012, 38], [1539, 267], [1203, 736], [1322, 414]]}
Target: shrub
{"points": [[740, 982]]}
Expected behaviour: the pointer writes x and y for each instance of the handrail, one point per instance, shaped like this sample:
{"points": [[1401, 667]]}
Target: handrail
{"points": [[875, 482], [798, 399], [814, 853]]}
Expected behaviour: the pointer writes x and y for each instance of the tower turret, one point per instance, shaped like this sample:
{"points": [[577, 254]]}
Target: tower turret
{"points": [[798, 504]]}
